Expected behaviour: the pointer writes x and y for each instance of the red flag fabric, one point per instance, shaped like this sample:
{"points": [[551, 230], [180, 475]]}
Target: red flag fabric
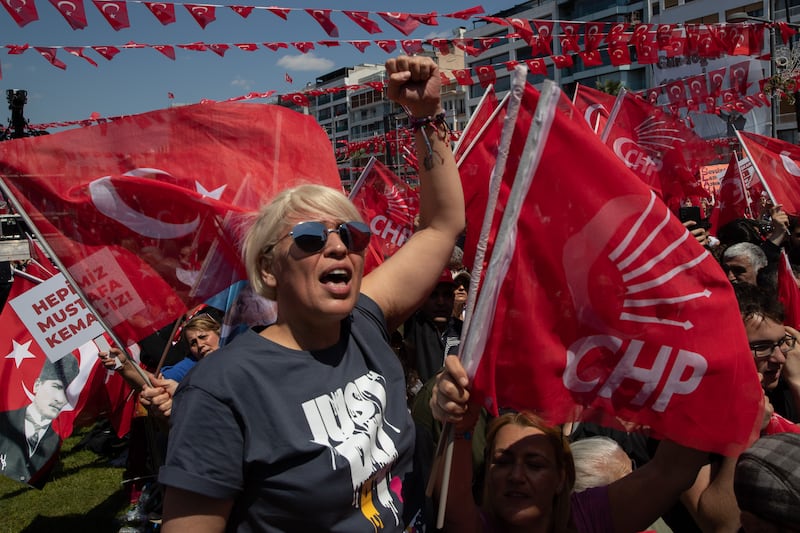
{"points": [[115, 12], [402, 22], [282, 12], [72, 11], [246, 47], [362, 19], [778, 166], [275, 46], [243, 11], [323, 16], [486, 75], [287, 78], [22, 12], [411, 46], [788, 292], [545, 30], [389, 205], [131, 218], [594, 105], [569, 37], [77, 51], [387, 45], [662, 151], [219, 48], [107, 52], [170, 95], [523, 28], [592, 35], [621, 292], [466, 14], [477, 120], [733, 200], [167, 49], [304, 46], [50, 55], [165, 13], [204, 14], [463, 76]]}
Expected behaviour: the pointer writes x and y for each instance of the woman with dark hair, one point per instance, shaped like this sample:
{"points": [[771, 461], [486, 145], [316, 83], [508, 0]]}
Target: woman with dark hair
{"points": [[530, 475]]}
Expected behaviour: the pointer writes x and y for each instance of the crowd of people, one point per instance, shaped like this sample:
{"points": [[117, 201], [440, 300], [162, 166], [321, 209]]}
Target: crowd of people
{"points": [[327, 418]]}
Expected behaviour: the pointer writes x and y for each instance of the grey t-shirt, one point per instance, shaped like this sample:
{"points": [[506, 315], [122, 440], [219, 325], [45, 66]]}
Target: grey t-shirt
{"points": [[302, 441]]}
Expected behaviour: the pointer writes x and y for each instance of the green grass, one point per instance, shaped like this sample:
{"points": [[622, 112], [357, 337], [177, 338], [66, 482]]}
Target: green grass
{"points": [[84, 494]]}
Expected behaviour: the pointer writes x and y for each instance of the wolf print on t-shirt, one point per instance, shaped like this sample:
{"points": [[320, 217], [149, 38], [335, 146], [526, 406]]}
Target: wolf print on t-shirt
{"points": [[350, 421]]}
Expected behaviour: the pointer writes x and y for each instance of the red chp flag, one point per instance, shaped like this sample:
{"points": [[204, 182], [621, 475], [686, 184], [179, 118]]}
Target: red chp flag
{"points": [[662, 151], [478, 120], [600, 315], [778, 165], [146, 212], [388, 205]]}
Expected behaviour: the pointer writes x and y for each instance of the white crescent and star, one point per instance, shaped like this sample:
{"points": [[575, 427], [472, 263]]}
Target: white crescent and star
{"points": [[20, 352], [790, 165]]}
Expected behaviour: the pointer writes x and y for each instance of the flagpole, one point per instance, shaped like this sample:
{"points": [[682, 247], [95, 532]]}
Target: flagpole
{"points": [[483, 128], [490, 87], [63, 269], [362, 178]]}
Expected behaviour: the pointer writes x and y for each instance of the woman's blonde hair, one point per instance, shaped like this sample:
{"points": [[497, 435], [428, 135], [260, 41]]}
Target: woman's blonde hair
{"points": [[203, 322], [561, 452], [312, 202]]}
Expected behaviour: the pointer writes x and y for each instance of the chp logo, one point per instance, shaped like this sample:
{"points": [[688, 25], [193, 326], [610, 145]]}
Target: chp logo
{"points": [[641, 272], [652, 139]]}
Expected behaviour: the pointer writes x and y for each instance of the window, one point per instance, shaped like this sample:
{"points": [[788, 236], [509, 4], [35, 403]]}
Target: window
{"points": [[754, 10]]}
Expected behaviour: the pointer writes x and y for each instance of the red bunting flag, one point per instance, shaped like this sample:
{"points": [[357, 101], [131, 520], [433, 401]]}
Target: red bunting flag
{"points": [[591, 59], [282, 12], [360, 45], [620, 55], [131, 218], [323, 17], [411, 46], [115, 12], [304, 46], [738, 77], [523, 28], [72, 11], [17, 49], [788, 292], [247, 47], [288, 78], [545, 31], [275, 46], [387, 46], [22, 12], [676, 92], [388, 205], [569, 37], [402, 22], [170, 95], [562, 61], [298, 99], [243, 11], [362, 19], [486, 75], [778, 165], [204, 14], [165, 13], [107, 52], [536, 66], [166, 49], [50, 55], [630, 348], [592, 35], [463, 76], [465, 14], [77, 51]]}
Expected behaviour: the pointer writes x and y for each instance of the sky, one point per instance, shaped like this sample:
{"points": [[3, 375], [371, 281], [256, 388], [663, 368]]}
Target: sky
{"points": [[139, 80]]}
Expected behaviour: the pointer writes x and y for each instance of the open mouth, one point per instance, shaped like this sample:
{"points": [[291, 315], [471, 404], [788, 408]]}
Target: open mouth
{"points": [[337, 276]]}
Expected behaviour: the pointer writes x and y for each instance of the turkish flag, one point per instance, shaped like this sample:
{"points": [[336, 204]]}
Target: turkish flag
{"points": [[569, 37], [442, 45], [219, 48], [788, 292], [132, 218], [715, 80], [107, 52], [536, 66], [592, 35], [486, 75], [591, 59], [77, 51], [733, 199], [620, 55], [243, 11], [562, 61], [620, 293], [388, 205], [465, 14], [676, 92], [412, 46], [778, 166], [276, 46], [115, 12], [523, 28], [463, 76], [387, 45], [17, 49], [738, 76], [204, 14], [664, 35], [303, 46], [23, 12], [698, 87], [360, 45], [246, 47], [323, 16], [72, 11], [402, 22], [165, 13], [166, 49], [50, 55], [595, 106], [362, 19], [545, 30]]}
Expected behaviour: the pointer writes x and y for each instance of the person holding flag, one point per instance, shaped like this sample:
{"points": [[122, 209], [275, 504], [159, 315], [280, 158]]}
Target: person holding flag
{"points": [[304, 426]]}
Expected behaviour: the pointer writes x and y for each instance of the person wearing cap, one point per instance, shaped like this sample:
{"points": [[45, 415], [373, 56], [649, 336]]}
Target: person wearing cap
{"points": [[432, 332], [28, 442], [461, 279], [767, 484]]}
